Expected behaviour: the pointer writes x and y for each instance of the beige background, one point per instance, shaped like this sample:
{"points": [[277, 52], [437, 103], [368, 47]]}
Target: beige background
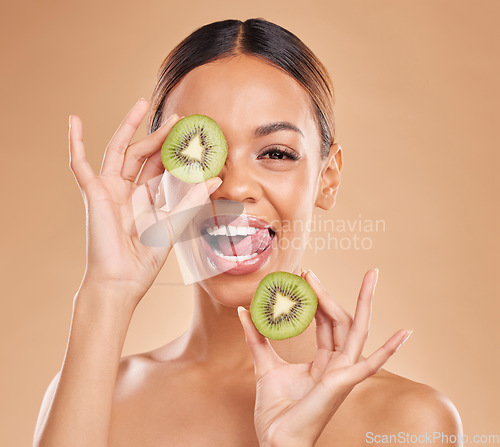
{"points": [[417, 93]]}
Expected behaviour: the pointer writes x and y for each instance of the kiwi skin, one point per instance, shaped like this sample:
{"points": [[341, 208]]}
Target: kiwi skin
{"points": [[289, 324], [176, 152]]}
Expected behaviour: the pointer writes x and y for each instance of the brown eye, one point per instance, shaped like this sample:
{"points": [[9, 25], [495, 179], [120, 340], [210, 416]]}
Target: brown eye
{"points": [[275, 153]]}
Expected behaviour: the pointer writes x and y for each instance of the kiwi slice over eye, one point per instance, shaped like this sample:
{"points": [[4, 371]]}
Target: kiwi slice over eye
{"points": [[283, 305], [195, 149]]}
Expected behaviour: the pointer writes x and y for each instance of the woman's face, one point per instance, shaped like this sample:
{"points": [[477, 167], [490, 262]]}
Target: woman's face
{"points": [[273, 170]]}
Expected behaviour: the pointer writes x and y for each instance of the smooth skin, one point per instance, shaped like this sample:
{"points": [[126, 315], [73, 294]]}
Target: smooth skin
{"points": [[222, 383]]}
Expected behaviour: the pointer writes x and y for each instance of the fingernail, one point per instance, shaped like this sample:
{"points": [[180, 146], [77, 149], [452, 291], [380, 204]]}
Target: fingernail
{"points": [[376, 278], [240, 310], [170, 118], [314, 277], [407, 336], [140, 99], [214, 186], [69, 121], [303, 273]]}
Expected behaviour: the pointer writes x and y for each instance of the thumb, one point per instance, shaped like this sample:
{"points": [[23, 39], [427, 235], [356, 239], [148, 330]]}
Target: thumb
{"points": [[190, 205], [159, 228], [264, 356]]}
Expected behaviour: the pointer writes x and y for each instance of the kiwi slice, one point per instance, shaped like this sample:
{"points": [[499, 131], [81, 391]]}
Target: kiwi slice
{"points": [[195, 149], [283, 305]]}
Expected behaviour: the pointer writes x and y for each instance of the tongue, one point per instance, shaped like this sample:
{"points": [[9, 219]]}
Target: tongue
{"points": [[253, 243]]}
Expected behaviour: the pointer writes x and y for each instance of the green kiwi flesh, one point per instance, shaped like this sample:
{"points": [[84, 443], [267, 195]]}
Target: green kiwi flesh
{"points": [[283, 305], [195, 149]]}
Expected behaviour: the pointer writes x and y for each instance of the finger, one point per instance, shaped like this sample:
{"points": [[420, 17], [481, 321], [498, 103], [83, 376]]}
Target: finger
{"points": [[157, 228], [324, 331], [137, 153], [112, 163], [341, 320], [324, 326], [155, 193], [322, 401], [264, 356], [186, 210], [151, 169], [358, 333], [78, 162], [150, 222], [372, 364]]}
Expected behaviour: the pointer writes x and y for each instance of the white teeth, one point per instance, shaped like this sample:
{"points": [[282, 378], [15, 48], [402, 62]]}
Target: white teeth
{"points": [[245, 231], [235, 258], [229, 230]]}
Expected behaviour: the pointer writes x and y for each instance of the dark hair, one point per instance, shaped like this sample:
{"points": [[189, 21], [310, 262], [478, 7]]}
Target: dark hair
{"points": [[254, 37]]}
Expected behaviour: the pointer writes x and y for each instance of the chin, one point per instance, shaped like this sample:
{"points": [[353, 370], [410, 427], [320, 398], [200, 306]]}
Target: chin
{"points": [[230, 293], [236, 289]]}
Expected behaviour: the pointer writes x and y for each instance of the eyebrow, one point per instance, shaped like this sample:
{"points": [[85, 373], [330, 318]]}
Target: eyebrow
{"points": [[269, 128]]}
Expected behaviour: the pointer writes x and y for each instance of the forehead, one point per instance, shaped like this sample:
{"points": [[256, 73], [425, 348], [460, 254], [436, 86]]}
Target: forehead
{"points": [[242, 92]]}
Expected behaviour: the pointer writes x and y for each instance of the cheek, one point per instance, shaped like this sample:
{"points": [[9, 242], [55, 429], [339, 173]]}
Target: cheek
{"points": [[293, 198], [292, 193]]}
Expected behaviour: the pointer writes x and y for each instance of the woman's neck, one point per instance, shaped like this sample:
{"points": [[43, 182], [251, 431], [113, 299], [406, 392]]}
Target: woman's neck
{"points": [[216, 338]]}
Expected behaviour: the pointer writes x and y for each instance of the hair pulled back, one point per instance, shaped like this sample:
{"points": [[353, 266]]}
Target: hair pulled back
{"points": [[254, 37]]}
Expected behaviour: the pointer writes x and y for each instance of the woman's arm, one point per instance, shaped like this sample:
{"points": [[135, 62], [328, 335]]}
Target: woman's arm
{"points": [[77, 406]]}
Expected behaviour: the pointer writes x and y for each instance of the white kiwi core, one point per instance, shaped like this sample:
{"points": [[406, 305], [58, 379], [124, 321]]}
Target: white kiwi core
{"points": [[282, 306], [194, 149]]}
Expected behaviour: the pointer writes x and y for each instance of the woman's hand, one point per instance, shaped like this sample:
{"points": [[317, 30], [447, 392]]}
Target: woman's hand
{"points": [[76, 409], [115, 257], [294, 402]]}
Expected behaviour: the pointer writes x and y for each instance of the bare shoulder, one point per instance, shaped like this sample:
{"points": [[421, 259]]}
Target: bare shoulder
{"points": [[388, 404], [147, 370], [133, 375], [411, 405]]}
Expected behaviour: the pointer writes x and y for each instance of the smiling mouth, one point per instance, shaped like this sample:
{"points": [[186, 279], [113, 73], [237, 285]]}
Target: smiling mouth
{"points": [[237, 244]]}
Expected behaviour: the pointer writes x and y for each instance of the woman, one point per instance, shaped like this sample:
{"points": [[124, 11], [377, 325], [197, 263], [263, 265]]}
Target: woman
{"points": [[218, 384]]}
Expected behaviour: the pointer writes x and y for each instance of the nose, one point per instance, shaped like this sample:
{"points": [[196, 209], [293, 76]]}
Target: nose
{"points": [[238, 183]]}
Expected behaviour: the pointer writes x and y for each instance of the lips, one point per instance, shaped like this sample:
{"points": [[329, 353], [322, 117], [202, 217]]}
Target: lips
{"points": [[237, 244]]}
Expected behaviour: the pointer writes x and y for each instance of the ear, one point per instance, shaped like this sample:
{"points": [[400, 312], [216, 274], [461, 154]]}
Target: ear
{"points": [[329, 181]]}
